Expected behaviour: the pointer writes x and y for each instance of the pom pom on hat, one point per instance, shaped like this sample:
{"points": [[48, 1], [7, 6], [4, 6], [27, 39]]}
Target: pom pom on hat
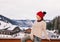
{"points": [[41, 14]]}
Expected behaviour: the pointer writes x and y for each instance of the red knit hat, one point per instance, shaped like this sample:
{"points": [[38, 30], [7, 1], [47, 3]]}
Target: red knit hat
{"points": [[40, 14]]}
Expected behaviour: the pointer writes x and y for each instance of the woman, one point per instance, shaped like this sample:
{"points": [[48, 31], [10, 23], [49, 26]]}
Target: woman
{"points": [[39, 27]]}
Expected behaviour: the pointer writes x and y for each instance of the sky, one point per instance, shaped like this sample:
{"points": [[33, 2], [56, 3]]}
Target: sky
{"points": [[27, 9]]}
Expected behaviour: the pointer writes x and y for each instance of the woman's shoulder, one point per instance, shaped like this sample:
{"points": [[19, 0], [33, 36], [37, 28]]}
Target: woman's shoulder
{"points": [[44, 22]]}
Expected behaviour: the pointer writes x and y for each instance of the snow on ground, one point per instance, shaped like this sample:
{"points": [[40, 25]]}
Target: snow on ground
{"points": [[22, 35]]}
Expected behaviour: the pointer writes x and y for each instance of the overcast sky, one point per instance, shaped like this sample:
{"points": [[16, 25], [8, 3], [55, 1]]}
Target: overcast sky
{"points": [[27, 9]]}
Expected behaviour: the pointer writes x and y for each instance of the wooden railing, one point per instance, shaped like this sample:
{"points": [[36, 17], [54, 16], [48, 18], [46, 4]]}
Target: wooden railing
{"points": [[10, 40], [19, 40]]}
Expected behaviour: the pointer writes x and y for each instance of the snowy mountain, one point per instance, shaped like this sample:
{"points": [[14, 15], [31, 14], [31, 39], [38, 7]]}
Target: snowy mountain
{"points": [[19, 23], [7, 23], [7, 20], [25, 23]]}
